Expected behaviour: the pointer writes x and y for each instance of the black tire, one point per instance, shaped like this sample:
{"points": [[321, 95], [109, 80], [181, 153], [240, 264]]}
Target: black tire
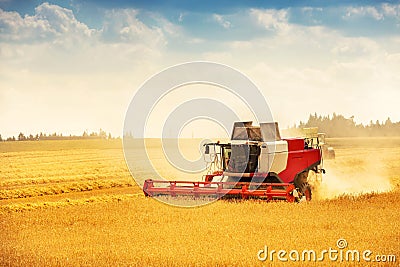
{"points": [[304, 187], [307, 192]]}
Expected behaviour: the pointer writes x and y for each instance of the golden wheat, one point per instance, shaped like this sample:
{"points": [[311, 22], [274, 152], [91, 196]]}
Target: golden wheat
{"points": [[68, 203]]}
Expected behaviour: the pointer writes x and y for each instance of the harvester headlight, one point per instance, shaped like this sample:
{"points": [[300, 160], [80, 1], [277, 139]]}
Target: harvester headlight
{"points": [[295, 193]]}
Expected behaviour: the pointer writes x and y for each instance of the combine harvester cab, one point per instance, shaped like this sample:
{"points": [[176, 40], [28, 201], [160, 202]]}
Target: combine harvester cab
{"points": [[257, 163], [315, 139]]}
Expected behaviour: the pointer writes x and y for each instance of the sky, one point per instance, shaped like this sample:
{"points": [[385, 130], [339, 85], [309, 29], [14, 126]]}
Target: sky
{"points": [[71, 66]]}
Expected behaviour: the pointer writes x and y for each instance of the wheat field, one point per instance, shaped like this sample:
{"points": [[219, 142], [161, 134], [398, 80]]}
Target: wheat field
{"points": [[68, 203]]}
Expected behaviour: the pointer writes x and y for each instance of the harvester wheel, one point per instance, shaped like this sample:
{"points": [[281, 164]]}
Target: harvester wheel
{"points": [[302, 184], [307, 191]]}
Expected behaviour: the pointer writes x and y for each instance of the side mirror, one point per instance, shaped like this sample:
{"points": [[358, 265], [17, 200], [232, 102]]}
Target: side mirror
{"points": [[207, 150]]}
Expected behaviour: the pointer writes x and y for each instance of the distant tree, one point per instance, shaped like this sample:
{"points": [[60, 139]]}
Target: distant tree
{"points": [[1, 139], [102, 134], [388, 122], [109, 136], [31, 137], [21, 137]]}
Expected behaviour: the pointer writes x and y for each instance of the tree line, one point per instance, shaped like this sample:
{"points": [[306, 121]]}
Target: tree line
{"points": [[334, 126], [340, 126], [54, 136]]}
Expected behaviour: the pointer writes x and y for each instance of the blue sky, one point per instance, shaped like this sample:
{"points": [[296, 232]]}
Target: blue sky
{"points": [[67, 66], [193, 15]]}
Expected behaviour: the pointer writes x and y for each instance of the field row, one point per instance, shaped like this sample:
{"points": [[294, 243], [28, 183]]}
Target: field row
{"points": [[20, 167], [63, 188], [51, 178], [19, 207]]}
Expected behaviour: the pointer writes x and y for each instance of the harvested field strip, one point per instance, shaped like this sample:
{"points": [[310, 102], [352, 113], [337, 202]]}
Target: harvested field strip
{"points": [[60, 157], [19, 207], [29, 169], [22, 163], [39, 160], [25, 178], [9, 183], [56, 145], [63, 188]]}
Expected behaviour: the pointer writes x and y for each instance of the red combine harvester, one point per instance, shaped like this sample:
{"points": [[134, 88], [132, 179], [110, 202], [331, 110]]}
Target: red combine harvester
{"points": [[256, 163]]}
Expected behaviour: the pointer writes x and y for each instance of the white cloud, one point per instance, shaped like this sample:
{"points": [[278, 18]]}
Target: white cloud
{"points": [[16, 28], [195, 41], [391, 10], [271, 19], [376, 12], [310, 13], [355, 47], [363, 11], [223, 22], [62, 20], [50, 22], [58, 25], [122, 25], [168, 28], [311, 9]]}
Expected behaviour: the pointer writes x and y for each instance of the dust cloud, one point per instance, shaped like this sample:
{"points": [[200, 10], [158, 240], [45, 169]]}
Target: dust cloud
{"points": [[354, 175]]}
